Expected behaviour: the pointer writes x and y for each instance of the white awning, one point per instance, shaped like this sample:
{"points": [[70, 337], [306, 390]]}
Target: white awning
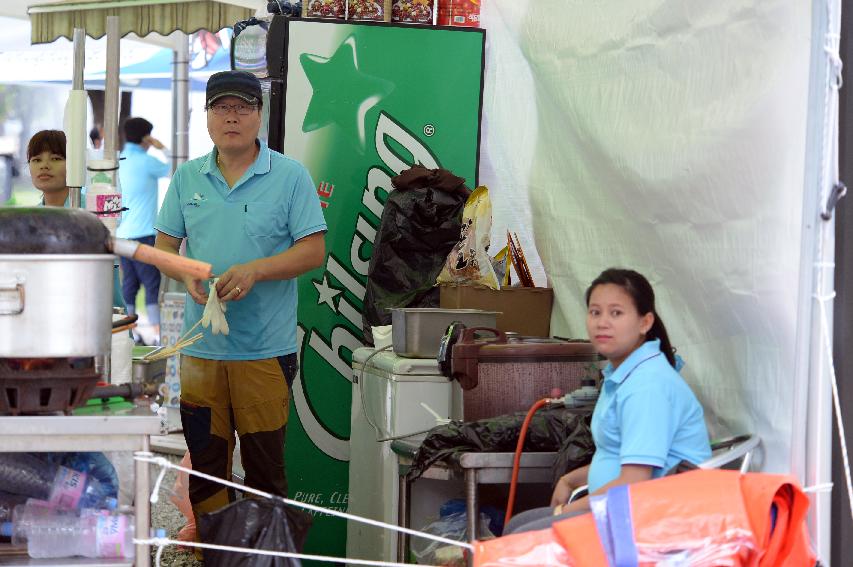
{"points": [[58, 19]]}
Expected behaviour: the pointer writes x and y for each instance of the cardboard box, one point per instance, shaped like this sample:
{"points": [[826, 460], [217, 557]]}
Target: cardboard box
{"points": [[524, 310]]}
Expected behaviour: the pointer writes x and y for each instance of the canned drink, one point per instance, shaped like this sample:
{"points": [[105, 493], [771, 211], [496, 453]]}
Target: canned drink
{"points": [[461, 13]]}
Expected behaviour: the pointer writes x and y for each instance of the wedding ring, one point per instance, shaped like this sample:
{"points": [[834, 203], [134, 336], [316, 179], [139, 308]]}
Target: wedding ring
{"points": [[239, 291]]}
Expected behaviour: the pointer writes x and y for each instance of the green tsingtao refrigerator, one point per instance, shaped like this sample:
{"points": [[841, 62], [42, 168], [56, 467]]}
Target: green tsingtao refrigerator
{"points": [[357, 103]]}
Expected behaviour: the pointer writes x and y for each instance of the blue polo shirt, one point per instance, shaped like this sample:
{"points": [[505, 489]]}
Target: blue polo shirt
{"points": [[273, 205], [138, 173], [646, 415]]}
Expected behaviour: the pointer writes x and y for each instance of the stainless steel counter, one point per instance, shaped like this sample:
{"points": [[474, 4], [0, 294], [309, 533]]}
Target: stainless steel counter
{"points": [[106, 430]]}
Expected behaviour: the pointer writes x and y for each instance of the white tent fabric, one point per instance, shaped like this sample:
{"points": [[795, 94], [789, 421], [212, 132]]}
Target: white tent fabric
{"points": [[670, 136]]}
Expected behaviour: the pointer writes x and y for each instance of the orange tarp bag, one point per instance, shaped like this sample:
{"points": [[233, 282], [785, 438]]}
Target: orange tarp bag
{"points": [[785, 541], [580, 538], [702, 518], [699, 516], [524, 549]]}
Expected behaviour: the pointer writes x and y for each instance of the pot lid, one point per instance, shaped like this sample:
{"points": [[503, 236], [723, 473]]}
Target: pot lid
{"points": [[51, 230]]}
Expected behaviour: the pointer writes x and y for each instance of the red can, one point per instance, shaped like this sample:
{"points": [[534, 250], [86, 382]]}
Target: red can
{"points": [[463, 13], [412, 11]]}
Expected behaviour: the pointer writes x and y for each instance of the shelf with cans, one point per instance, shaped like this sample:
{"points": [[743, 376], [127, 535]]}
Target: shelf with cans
{"points": [[463, 13]]}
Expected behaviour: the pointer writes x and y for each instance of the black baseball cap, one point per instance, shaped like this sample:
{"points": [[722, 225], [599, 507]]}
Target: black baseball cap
{"points": [[233, 83]]}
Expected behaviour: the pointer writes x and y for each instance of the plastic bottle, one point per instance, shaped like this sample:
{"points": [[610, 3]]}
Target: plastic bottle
{"points": [[51, 533], [64, 488], [73, 490], [8, 503]]}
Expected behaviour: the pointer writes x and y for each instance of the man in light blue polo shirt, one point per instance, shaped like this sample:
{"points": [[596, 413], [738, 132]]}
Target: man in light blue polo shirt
{"points": [[254, 214]]}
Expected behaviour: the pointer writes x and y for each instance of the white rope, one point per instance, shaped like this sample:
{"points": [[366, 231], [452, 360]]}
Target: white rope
{"points": [[825, 487], [836, 402], [161, 543], [155, 492], [163, 462]]}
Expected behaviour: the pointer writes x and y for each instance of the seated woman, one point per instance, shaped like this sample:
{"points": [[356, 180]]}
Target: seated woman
{"points": [[46, 158], [646, 420]]}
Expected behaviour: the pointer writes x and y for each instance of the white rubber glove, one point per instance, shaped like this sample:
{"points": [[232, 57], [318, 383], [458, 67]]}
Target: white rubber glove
{"points": [[214, 313]]}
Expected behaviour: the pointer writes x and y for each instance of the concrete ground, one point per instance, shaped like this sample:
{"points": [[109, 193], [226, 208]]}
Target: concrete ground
{"points": [[164, 514]]}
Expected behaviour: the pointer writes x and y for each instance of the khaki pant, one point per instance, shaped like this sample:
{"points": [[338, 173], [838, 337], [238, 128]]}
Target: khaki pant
{"points": [[219, 397]]}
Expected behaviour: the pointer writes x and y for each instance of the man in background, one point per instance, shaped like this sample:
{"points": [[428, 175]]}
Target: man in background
{"points": [[138, 175]]}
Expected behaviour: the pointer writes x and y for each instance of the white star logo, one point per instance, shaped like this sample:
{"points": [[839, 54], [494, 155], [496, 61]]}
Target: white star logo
{"points": [[326, 293]]}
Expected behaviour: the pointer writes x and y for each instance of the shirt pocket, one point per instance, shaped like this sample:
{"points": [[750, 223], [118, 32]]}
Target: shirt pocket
{"points": [[262, 220]]}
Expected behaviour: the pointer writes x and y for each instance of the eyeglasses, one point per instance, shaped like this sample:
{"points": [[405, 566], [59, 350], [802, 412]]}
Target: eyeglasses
{"points": [[221, 109]]}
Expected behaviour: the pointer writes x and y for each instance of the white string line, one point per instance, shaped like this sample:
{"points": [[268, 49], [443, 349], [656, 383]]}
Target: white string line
{"points": [[161, 543], [836, 402], [163, 462], [824, 487]]}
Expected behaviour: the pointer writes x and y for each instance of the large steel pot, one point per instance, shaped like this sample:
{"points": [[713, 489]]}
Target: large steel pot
{"points": [[56, 281], [55, 305]]}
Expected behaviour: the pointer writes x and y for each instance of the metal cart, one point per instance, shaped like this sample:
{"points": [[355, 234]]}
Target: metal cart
{"points": [[125, 430]]}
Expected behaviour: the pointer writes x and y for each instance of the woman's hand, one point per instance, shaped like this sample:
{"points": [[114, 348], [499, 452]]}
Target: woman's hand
{"points": [[562, 491], [567, 484]]}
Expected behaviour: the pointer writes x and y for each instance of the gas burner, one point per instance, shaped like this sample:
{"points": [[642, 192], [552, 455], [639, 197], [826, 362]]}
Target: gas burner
{"points": [[45, 385]]}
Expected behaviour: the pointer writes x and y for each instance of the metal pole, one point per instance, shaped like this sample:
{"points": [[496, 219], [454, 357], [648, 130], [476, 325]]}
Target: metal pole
{"points": [[79, 58], [180, 100], [79, 38], [111, 90], [142, 487]]}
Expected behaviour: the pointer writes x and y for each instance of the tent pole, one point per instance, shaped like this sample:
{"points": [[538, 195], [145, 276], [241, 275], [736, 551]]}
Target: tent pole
{"points": [[111, 89], [75, 154], [180, 100]]}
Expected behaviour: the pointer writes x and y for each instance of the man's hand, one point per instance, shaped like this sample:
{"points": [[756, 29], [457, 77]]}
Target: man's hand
{"points": [[154, 142], [196, 290], [237, 282]]}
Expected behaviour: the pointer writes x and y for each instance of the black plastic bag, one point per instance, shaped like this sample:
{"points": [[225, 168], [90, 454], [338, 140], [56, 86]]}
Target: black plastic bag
{"points": [[559, 429], [420, 225], [254, 524]]}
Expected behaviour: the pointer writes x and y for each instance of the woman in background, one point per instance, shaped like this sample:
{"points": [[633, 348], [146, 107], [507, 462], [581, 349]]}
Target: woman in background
{"points": [[46, 159]]}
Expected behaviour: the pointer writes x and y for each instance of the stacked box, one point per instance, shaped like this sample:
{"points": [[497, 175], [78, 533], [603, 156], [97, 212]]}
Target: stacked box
{"points": [[171, 325], [524, 310]]}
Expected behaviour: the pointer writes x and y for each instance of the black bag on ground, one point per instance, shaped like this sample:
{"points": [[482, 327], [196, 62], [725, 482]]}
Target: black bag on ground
{"points": [[254, 524], [420, 225], [559, 430]]}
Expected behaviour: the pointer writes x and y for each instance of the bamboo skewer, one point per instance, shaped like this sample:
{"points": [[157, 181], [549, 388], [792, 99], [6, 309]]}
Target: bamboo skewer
{"points": [[182, 342], [524, 261], [519, 261]]}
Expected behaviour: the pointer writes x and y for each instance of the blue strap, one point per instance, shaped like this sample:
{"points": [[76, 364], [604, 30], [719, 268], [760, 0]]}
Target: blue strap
{"points": [[598, 506], [621, 526]]}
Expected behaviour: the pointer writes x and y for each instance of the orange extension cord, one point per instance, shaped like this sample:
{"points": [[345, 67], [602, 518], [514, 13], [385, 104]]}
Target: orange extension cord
{"points": [[517, 460]]}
